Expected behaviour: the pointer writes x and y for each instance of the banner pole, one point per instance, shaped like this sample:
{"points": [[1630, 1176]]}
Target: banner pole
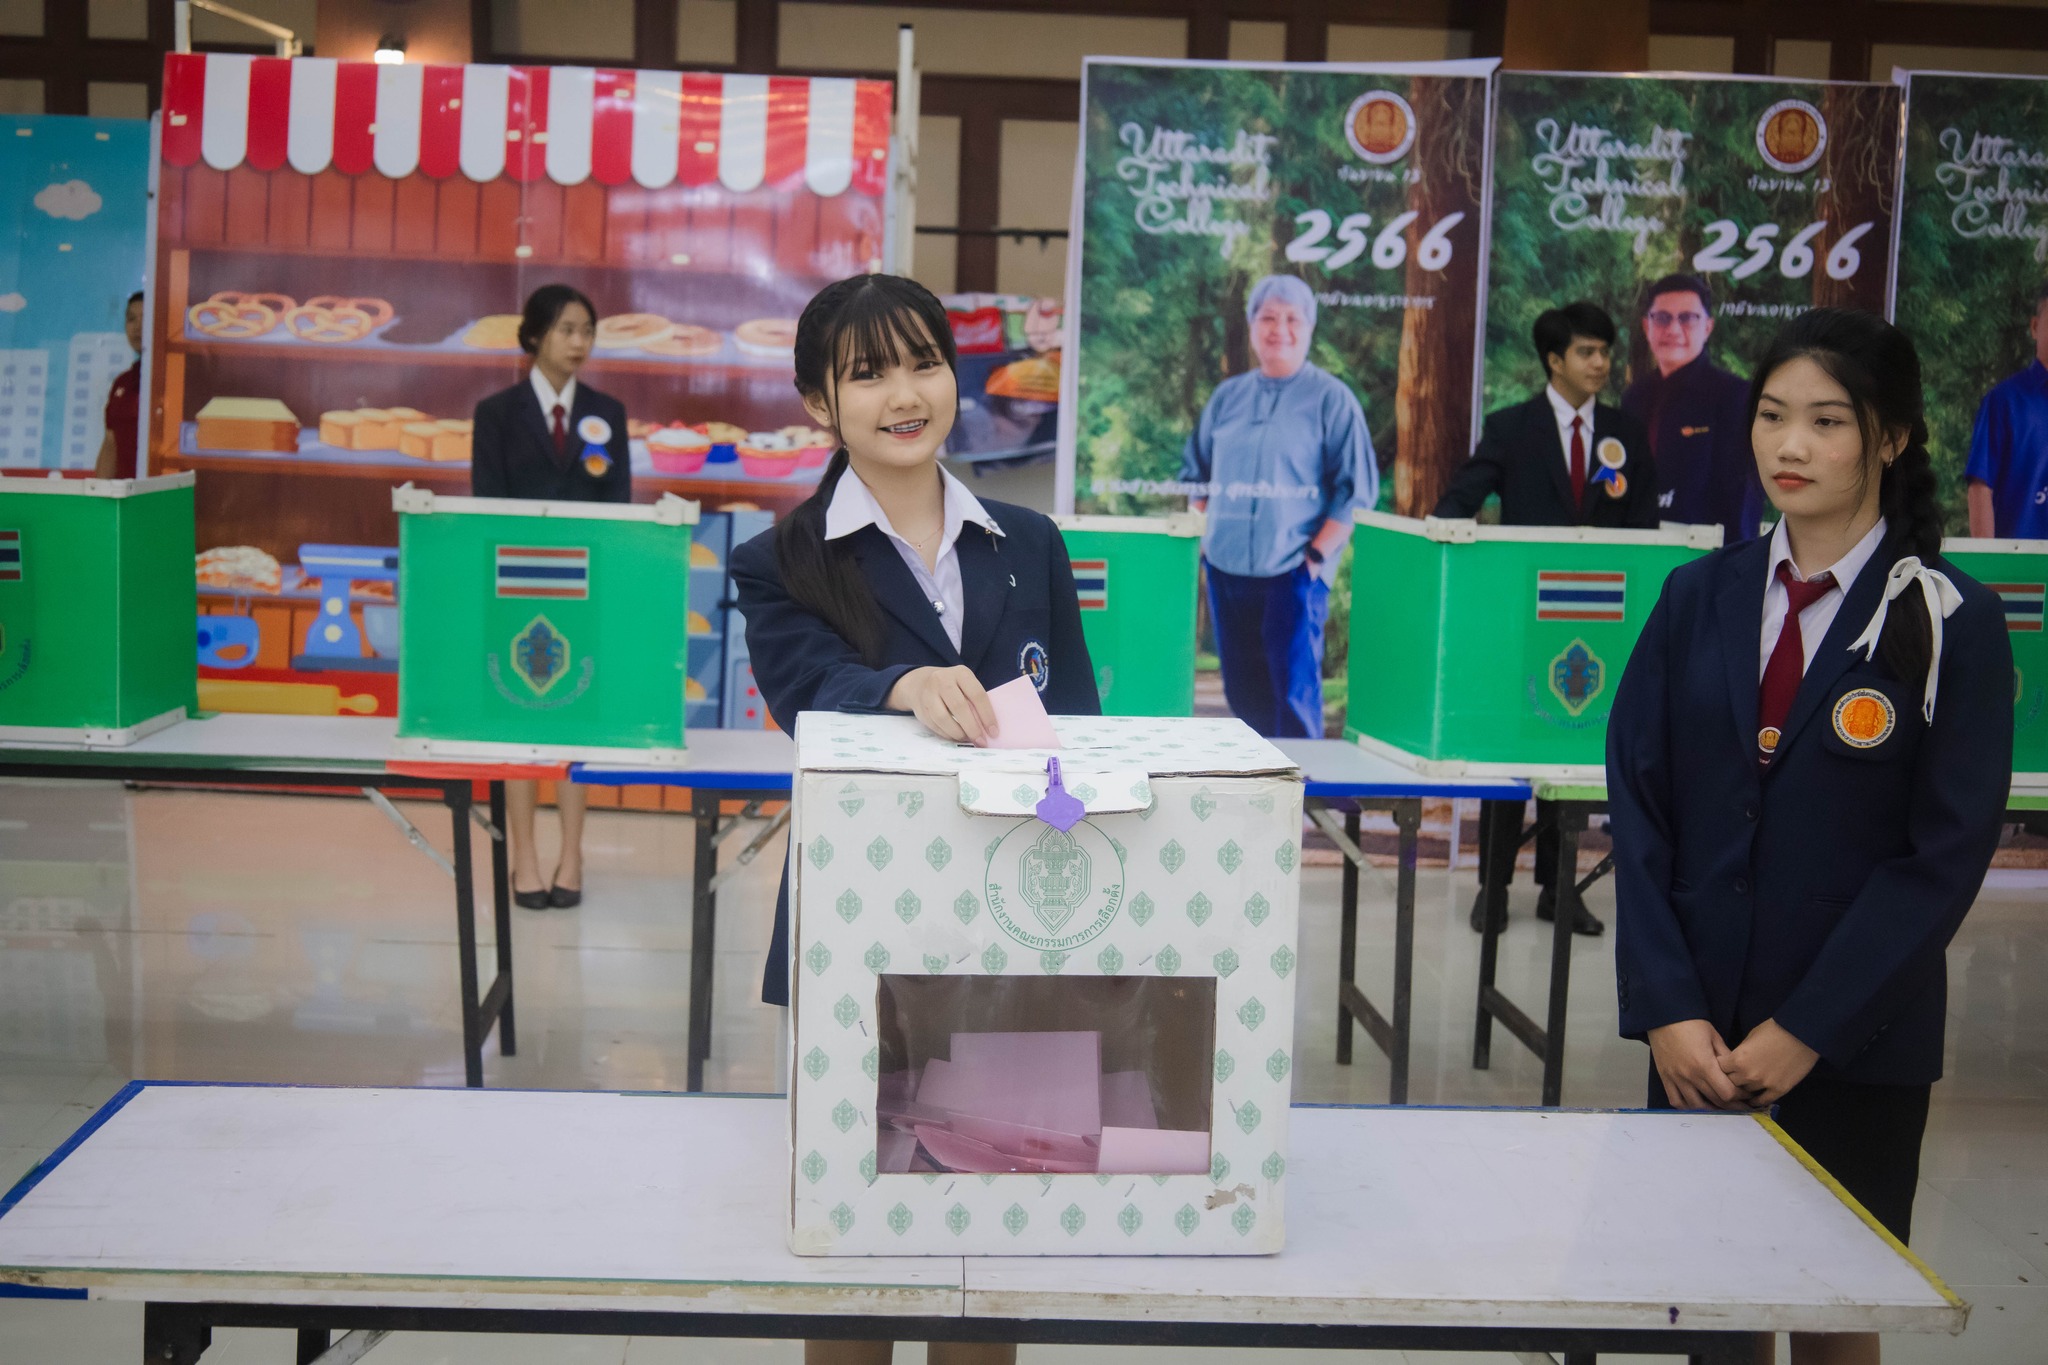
{"points": [[908, 98]]}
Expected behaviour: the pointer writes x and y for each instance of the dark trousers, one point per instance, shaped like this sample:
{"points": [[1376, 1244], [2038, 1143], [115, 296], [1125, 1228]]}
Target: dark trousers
{"points": [[1269, 637], [1500, 835]]}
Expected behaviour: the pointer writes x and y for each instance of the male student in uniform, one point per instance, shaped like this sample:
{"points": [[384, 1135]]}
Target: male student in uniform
{"points": [[2008, 465], [1561, 458], [1697, 415]]}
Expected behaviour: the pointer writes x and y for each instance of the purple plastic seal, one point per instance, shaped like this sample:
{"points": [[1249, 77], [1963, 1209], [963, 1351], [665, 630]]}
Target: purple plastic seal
{"points": [[1059, 809]]}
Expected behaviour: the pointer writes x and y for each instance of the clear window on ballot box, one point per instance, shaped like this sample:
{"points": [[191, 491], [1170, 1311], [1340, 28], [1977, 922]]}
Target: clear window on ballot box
{"points": [[1057, 1074]]}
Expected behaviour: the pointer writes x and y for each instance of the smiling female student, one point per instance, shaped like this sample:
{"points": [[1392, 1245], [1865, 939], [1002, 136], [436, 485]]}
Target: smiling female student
{"points": [[893, 588], [1807, 765]]}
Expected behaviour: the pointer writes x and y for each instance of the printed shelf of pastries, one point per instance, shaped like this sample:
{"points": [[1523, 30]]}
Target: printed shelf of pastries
{"points": [[323, 320], [629, 336], [244, 571], [700, 448], [252, 425]]}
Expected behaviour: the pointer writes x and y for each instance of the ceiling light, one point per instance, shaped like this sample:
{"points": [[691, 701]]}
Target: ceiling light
{"points": [[390, 50]]}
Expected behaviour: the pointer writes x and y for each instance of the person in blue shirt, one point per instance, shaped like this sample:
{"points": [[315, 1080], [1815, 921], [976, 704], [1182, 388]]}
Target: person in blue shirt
{"points": [[1807, 768], [2008, 465], [1285, 457]]}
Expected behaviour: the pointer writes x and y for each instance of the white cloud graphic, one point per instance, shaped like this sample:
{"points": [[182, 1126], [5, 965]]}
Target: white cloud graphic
{"points": [[12, 303], [72, 199]]}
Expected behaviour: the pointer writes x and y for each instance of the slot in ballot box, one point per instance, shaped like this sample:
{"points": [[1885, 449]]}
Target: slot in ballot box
{"points": [[98, 608], [1498, 648], [2017, 570], [1137, 581], [542, 630], [1024, 1027]]}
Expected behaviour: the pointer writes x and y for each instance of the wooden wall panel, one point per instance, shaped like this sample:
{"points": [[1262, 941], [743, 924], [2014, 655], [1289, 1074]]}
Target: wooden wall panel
{"points": [[583, 218], [413, 210], [291, 210], [543, 213], [854, 223], [625, 225], [753, 230], [205, 206], [498, 220], [796, 235], [709, 240], [247, 214], [370, 230], [170, 206], [333, 206], [455, 221]]}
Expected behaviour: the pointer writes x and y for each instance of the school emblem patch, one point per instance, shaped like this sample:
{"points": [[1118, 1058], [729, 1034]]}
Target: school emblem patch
{"points": [[1034, 664], [1053, 890], [540, 654], [1577, 676], [1864, 718]]}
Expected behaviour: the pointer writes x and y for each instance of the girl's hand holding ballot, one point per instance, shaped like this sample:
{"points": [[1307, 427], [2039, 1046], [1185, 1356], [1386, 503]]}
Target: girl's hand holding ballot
{"points": [[950, 702]]}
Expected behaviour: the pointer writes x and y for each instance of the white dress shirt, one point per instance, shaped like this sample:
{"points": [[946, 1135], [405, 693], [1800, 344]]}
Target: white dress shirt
{"points": [[1815, 620], [1565, 412], [549, 397], [853, 506]]}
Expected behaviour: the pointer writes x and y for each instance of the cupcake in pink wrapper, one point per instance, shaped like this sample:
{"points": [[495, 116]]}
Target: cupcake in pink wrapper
{"points": [[678, 450], [768, 455], [813, 447]]}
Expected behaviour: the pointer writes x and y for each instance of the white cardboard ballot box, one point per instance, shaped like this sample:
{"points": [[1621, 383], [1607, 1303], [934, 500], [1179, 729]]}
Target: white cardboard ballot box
{"points": [[1016, 1039]]}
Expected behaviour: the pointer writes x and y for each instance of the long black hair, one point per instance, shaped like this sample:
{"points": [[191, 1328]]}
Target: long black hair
{"points": [[1876, 363], [866, 322]]}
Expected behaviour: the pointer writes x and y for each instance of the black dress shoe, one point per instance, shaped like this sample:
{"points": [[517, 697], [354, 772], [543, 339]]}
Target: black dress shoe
{"points": [[530, 900], [1477, 919], [565, 897], [1583, 920]]}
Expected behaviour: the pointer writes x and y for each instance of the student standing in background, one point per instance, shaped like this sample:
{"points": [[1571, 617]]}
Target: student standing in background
{"points": [[1697, 414], [117, 458], [2008, 466]]}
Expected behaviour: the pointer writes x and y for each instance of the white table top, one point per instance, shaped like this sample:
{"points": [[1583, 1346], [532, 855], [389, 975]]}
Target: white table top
{"points": [[235, 740], [1338, 768], [677, 1203]]}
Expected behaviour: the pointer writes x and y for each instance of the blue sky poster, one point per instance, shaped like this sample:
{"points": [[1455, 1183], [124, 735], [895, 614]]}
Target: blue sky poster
{"points": [[72, 230]]}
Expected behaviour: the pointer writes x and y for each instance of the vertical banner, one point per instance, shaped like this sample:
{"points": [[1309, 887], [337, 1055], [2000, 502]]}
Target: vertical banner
{"points": [[1701, 212], [71, 248], [1972, 291]]}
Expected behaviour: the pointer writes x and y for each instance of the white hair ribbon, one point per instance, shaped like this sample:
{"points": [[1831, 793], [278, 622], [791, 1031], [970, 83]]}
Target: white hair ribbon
{"points": [[1942, 601]]}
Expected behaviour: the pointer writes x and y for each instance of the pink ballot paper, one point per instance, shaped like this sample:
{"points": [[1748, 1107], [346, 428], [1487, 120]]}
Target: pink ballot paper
{"points": [[1021, 722]]}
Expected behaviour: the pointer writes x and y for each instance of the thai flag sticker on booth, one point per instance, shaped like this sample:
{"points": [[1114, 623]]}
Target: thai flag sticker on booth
{"points": [[1585, 596], [2022, 601], [10, 564], [543, 571], [1091, 583]]}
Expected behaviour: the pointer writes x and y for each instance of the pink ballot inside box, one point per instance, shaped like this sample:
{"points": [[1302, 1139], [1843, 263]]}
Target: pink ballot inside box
{"points": [[1034, 1102], [1021, 721]]}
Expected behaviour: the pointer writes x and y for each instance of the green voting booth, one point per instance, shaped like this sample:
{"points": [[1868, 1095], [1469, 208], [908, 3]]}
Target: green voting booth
{"points": [[1136, 578], [1497, 648], [2017, 570], [542, 630], [98, 608]]}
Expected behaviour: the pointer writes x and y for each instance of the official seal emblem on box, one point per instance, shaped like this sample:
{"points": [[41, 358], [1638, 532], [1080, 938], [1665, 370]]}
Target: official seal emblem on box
{"points": [[1051, 889]]}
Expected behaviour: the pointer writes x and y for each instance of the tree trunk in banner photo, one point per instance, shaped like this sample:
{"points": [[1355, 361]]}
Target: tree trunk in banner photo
{"points": [[1433, 400], [1859, 165]]}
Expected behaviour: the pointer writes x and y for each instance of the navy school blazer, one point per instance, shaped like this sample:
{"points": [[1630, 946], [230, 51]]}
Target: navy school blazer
{"points": [[1021, 606], [513, 449], [1822, 892], [1520, 457]]}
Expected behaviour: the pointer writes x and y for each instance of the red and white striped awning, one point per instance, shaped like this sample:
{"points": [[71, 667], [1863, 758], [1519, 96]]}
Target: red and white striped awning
{"points": [[570, 123]]}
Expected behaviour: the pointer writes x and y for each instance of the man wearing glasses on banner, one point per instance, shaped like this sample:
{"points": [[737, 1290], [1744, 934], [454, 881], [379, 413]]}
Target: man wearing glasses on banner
{"points": [[1697, 414]]}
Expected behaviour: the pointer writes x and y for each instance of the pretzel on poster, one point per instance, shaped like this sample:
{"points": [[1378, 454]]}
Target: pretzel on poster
{"points": [[380, 312], [230, 320], [328, 326]]}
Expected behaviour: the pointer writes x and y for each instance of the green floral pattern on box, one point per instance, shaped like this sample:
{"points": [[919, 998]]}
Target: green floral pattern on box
{"points": [[1230, 857], [816, 1063], [848, 906], [1274, 1168], [1243, 1219], [1278, 1065], [1252, 955]]}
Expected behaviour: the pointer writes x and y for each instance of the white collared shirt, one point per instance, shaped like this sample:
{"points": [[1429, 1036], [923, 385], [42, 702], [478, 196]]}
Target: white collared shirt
{"points": [[1565, 412], [853, 506], [549, 397], [1815, 620]]}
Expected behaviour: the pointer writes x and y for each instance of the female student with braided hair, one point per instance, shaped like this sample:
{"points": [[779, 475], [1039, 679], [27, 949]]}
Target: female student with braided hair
{"points": [[1807, 766]]}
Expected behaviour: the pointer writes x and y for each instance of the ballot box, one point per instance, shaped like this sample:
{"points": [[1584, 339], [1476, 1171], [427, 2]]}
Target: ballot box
{"points": [[1136, 579], [2017, 570], [98, 608], [542, 630], [1039, 1010], [1498, 648]]}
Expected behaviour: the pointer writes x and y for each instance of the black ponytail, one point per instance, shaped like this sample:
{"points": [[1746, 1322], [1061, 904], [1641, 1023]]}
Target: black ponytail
{"points": [[866, 322], [1877, 365]]}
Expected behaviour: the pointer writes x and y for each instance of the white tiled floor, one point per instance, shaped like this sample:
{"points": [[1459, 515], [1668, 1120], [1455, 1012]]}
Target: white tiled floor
{"points": [[262, 938]]}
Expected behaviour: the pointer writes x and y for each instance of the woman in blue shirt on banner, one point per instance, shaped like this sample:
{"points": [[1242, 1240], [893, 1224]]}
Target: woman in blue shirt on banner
{"points": [[1285, 455], [1807, 769], [894, 589]]}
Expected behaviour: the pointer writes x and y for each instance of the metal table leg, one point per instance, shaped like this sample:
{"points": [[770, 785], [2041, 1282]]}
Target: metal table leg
{"points": [[457, 796], [1408, 818], [1571, 820], [501, 906], [1390, 1036], [703, 931], [1347, 944]]}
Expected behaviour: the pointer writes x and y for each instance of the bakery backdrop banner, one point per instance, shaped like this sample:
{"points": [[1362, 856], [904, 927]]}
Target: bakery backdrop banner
{"points": [[1349, 197], [72, 227], [342, 253], [1701, 212], [1972, 264]]}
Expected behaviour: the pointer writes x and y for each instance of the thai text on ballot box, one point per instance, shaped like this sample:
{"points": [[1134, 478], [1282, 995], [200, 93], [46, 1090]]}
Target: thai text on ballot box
{"points": [[1498, 648], [1137, 579], [98, 608], [544, 630], [1042, 999]]}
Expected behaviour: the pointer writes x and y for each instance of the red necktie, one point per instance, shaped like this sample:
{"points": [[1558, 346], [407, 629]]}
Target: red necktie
{"points": [[561, 431], [1578, 460], [1788, 659]]}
